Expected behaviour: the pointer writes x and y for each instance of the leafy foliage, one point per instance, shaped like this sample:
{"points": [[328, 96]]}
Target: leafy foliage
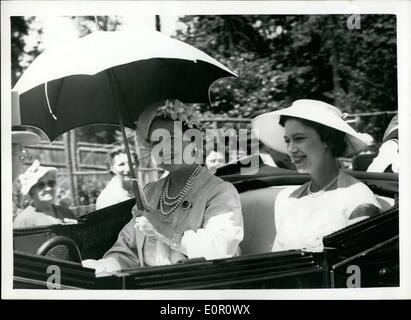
{"points": [[88, 24], [21, 54]]}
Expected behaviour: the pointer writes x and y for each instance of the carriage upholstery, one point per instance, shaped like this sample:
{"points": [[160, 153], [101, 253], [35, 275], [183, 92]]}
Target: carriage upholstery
{"points": [[258, 215]]}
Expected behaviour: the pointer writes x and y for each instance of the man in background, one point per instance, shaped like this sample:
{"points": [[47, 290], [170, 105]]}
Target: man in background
{"points": [[20, 137], [119, 188]]}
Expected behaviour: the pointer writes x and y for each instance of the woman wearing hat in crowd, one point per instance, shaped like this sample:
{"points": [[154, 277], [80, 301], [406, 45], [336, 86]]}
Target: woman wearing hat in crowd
{"points": [[40, 184], [314, 134], [20, 136], [388, 157], [189, 214], [119, 187]]}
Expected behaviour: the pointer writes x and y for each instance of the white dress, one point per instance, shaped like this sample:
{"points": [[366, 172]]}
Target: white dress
{"points": [[302, 220]]}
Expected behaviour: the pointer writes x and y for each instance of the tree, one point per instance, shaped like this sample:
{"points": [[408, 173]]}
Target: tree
{"points": [[88, 24], [21, 54], [283, 58]]}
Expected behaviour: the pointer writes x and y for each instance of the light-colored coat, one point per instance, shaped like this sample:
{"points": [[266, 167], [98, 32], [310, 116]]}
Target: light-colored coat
{"points": [[212, 227]]}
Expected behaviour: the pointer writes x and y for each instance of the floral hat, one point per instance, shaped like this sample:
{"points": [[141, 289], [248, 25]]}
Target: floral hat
{"points": [[171, 109], [32, 175]]}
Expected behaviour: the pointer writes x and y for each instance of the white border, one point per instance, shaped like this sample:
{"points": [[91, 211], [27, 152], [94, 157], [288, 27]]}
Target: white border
{"points": [[42, 8]]}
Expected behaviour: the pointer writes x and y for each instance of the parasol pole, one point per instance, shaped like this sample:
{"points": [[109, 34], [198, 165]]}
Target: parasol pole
{"points": [[119, 103], [115, 89]]}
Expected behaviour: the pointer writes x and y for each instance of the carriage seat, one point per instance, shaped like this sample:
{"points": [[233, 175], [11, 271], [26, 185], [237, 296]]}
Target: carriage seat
{"points": [[258, 215]]}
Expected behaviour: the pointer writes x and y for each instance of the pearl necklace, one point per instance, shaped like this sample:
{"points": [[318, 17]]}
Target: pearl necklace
{"points": [[174, 202], [321, 191]]}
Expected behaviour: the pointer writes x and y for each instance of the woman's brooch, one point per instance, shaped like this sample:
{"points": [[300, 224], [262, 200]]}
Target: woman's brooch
{"points": [[186, 204]]}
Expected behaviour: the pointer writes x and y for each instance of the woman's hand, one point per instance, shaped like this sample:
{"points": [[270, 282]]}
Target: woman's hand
{"points": [[142, 224], [93, 264], [106, 265], [147, 221]]}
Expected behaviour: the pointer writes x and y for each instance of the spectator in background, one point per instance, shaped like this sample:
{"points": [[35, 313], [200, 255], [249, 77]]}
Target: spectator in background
{"points": [[388, 156], [19, 137], [119, 188], [40, 184]]}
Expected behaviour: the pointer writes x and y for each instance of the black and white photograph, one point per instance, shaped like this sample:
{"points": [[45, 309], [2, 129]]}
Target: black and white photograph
{"points": [[214, 149]]}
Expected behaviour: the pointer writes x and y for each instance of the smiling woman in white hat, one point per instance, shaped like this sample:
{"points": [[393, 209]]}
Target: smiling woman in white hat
{"points": [[314, 134], [39, 183]]}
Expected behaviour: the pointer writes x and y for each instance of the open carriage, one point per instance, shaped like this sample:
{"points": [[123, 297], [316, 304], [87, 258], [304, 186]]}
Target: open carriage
{"points": [[369, 248]]}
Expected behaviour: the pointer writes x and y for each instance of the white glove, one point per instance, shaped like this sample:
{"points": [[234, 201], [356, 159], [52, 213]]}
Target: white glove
{"points": [[93, 264], [107, 265]]}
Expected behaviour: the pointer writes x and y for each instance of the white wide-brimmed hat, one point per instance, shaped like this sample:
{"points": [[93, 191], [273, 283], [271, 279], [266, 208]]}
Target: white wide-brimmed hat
{"points": [[269, 131], [32, 175]]}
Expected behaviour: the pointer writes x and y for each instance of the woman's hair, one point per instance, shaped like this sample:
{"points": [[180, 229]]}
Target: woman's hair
{"points": [[334, 139], [116, 151]]}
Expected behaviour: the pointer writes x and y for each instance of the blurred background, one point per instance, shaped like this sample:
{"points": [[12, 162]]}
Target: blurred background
{"points": [[278, 58]]}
